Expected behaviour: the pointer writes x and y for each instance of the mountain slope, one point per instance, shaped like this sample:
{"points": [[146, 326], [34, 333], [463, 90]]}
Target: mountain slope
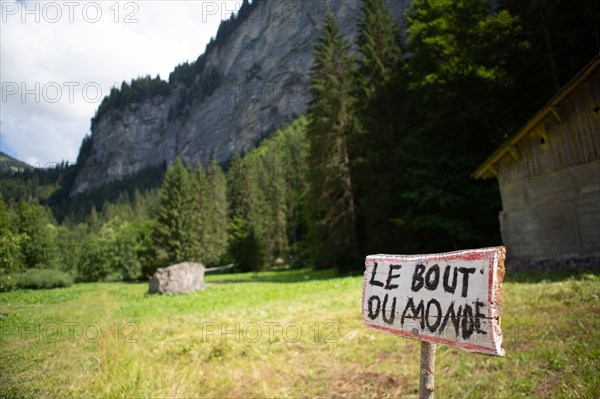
{"points": [[251, 80], [10, 164]]}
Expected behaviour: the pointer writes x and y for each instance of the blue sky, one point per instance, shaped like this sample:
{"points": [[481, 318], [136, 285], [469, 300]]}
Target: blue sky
{"points": [[5, 148], [58, 59]]}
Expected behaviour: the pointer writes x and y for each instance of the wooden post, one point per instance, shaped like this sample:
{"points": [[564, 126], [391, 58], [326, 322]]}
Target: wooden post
{"points": [[426, 385]]}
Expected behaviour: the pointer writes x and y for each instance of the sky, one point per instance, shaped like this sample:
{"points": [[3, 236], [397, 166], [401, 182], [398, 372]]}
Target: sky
{"points": [[58, 59]]}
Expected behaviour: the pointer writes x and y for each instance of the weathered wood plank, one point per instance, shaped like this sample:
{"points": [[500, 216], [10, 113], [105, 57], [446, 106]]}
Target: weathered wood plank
{"points": [[573, 140], [453, 298]]}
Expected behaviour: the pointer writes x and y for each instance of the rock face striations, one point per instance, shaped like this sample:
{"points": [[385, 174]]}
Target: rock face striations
{"points": [[252, 79]]}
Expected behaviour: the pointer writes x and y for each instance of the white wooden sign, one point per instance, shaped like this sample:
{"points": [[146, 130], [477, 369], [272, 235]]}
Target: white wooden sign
{"points": [[453, 298]]}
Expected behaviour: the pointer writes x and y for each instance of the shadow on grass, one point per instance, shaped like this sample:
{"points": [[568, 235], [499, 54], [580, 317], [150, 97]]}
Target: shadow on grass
{"points": [[280, 276], [550, 276], [303, 275]]}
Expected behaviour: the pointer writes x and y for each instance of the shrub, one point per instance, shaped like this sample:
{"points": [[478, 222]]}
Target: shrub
{"points": [[119, 251], [7, 283], [43, 278]]}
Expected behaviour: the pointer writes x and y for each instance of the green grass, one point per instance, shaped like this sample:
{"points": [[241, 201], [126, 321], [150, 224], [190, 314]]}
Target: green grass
{"points": [[162, 346]]}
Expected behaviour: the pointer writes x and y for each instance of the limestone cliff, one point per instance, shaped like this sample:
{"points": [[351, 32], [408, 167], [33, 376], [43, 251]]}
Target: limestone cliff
{"points": [[243, 87]]}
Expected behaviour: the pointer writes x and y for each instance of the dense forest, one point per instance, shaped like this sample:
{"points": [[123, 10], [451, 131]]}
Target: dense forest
{"points": [[250, 215], [381, 162]]}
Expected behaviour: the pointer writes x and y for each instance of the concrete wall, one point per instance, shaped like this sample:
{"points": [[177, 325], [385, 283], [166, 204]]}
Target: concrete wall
{"points": [[556, 215]]}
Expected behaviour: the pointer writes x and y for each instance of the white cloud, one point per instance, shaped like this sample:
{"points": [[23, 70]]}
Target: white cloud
{"points": [[45, 66]]}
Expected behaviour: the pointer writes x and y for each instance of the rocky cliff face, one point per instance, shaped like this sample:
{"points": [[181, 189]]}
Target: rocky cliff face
{"points": [[250, 84]]}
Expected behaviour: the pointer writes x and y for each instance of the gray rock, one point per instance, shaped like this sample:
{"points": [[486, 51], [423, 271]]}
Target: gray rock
{"points": [[177, 279], [264, 66]]}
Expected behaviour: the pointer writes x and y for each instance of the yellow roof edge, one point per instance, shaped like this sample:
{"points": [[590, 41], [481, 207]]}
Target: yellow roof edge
{"points": [[484, 171]]}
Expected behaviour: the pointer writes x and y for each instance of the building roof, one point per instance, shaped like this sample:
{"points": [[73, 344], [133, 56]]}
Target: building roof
{"points": [[488, 169]]}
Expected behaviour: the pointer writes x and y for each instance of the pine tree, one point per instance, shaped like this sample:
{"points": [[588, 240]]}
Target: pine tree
{"points": [[175, 230], [211, 213], [330, 121], [378, 127], [456, 112], [275, 191], [238, 209], [379, 49], [563, 37], [216, 247], [246, 213], [294, 170], [3, 217], [94, 224], [139, 209], [238, 190], [204, 214]]}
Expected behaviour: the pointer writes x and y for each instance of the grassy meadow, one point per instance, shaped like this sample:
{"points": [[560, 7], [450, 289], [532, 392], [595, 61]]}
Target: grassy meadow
{"points": [[284, 334]]}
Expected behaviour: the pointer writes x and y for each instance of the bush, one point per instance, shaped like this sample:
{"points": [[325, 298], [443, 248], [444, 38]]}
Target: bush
{"points": [[119, 251], [7, 283], [43, 278]]}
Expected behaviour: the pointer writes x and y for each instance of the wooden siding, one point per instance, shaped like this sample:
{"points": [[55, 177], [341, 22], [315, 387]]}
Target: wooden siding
{"points": [[566, 137]]}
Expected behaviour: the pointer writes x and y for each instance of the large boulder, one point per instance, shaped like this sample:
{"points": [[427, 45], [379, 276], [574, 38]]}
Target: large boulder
{"points": [[177, 279]]}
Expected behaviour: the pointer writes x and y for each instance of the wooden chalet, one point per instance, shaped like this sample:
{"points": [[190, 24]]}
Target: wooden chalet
{"points": [[549, 177]]}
